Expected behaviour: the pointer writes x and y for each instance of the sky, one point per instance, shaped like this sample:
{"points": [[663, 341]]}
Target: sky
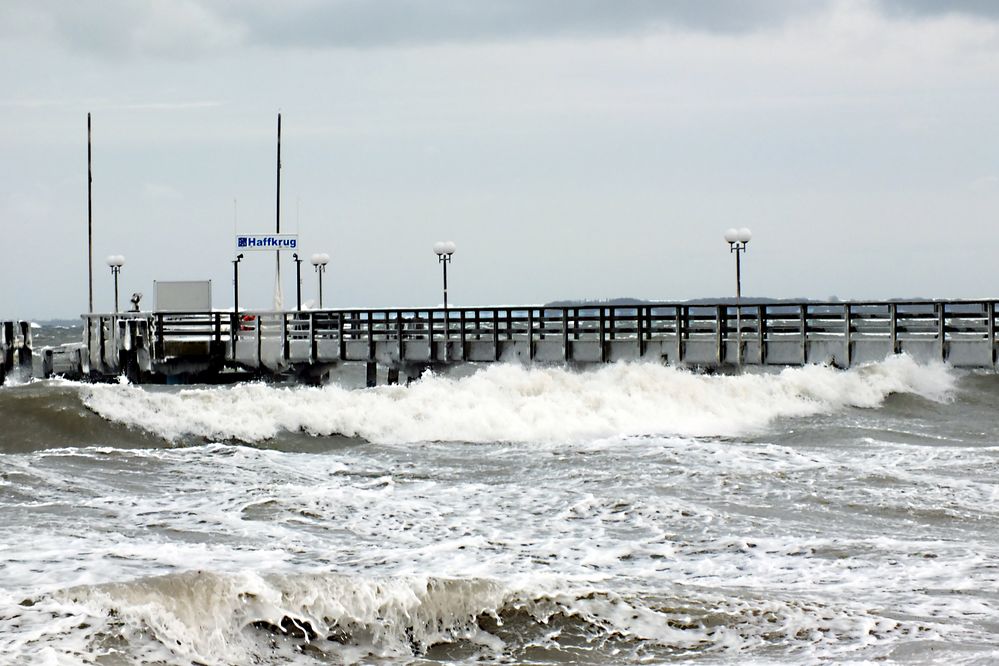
{"points": [[572, 149]]}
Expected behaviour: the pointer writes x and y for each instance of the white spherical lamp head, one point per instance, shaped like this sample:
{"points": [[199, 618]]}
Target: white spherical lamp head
{"points": [[316, 259], [449, 247], [325, 257], [744, 235], [732, 235], [116, 261], [440, 247]]}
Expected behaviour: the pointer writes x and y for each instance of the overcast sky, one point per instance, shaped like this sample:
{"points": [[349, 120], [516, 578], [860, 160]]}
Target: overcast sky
{"points": [[570, 148]]}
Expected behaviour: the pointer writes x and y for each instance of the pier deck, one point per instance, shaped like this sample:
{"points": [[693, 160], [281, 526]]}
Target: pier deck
{"points": [[200, 345]]}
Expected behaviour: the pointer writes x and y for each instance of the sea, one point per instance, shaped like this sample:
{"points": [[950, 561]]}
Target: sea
{"points": [[627, 514]]}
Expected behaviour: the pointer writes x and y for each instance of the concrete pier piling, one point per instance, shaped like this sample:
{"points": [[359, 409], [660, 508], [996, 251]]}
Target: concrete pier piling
{"points": [[15, 349]]}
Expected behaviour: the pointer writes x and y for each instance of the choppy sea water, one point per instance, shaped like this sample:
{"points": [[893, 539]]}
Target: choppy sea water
{"points": [[628, 514]]}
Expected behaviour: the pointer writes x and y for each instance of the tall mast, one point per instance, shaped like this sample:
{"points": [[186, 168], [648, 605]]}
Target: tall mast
{"points": [[90, 225], [278, 297], [278, 207]]}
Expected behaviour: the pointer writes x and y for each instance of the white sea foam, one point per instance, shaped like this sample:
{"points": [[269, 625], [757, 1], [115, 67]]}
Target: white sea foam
{"points": [[624, 550], [209, 618], [510, 403]]}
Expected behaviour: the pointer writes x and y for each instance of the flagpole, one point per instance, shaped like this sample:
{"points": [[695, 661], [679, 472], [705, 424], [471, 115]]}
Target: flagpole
{"points": [[278, 298], [90, 226]]}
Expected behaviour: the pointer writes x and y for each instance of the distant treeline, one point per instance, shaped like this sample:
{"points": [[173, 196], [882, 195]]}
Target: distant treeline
{"points": [[721, 300], [746, 300]]}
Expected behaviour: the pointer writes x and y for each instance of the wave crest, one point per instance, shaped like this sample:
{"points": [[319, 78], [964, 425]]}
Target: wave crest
{"points": [[208, 618], [511, 403]]}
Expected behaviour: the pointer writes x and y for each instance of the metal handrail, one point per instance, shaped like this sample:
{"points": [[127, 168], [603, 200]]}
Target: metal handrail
{"points": [[898, 320]]}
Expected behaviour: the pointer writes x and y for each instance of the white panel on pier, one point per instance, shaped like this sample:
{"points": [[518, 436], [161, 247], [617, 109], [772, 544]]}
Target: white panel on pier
{"points": [[183, 295]]}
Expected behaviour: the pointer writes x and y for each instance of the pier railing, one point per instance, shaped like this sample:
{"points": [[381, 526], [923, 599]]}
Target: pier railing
{"points": [[963, 333]]}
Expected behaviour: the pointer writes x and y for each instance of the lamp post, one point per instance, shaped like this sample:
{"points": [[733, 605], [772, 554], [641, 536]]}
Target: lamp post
{"points": [[444, 250], [298, 281], [116, 261], [737, 240], [235, 283], [319, 261]]}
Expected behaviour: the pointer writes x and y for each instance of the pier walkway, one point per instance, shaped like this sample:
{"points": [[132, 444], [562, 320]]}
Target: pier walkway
{"points": [[205, 346]]}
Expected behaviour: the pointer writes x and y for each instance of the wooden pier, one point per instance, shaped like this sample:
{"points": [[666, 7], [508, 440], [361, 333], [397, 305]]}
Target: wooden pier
{"points": [[208, 346]]}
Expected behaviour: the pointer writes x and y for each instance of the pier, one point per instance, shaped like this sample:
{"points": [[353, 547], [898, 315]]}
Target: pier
{"points": [[309, 345]]}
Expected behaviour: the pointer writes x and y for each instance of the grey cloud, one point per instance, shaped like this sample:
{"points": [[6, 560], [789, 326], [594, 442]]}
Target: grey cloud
{"points": [[188, 28], [113, 28], [358, 23], [988, 9]]}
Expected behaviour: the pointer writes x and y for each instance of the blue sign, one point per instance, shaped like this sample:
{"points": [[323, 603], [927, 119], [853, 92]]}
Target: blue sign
{"points": [[271, 242]]}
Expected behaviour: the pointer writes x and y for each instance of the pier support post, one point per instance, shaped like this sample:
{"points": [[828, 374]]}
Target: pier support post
{"points": [[399, 335], [530, 334], [761, 332], [371, 334], [5, 345], [47, 364], [371, 374], [462, 322], [680, 326], [803, 325], [640, 331], [941, 331], [847, 334], [565, 334], [893, 327], [496, 342], [393, 376], [10, 358], [24, 357], [721, 323], [990, 312], [341, 342], [603, 336]]}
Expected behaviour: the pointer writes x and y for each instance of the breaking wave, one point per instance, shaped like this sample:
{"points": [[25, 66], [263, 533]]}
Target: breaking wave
{"points": [[510, 403], [208, 618]]}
